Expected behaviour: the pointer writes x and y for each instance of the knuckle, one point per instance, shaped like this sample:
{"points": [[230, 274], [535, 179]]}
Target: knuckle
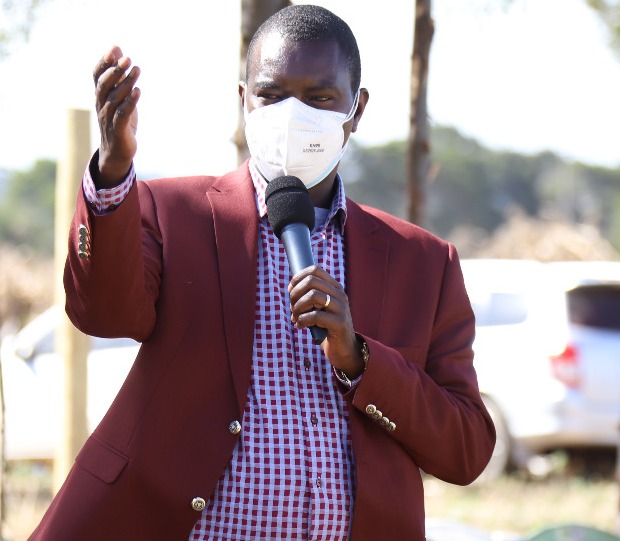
{"points": [[317, 297]]}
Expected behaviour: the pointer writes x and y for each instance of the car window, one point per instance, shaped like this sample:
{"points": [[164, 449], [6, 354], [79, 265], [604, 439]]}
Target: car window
{"points": [[595, 306], [500, 309]]}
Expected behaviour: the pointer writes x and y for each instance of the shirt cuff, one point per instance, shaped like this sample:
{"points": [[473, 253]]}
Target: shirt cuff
{"points": [[106, 200]]}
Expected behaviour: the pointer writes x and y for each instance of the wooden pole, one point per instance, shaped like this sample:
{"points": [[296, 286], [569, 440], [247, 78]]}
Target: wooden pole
{"points": [[418, 143], [253, 14], [71, 345]]}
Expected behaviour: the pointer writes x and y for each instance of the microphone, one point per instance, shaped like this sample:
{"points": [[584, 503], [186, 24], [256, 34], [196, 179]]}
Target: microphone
{"points": [[291, 215]]}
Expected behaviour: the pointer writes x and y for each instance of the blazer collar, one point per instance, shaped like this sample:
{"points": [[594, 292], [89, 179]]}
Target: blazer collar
{"points": [[235, 219]]}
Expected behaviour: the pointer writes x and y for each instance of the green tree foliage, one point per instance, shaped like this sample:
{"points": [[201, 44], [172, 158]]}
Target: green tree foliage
{"points": [[16, 20], [27, 209], [609, 10], [477, 187]]}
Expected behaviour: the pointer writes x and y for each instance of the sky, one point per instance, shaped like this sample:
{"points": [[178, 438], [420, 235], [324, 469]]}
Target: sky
{"points": [[537, 76]]}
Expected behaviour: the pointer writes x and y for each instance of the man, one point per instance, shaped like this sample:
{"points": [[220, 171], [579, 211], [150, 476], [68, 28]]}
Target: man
{"points": [[232, 424]]}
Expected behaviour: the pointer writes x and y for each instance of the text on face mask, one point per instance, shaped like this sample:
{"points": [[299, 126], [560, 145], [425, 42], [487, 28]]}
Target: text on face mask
{"points": [[314, 147]]}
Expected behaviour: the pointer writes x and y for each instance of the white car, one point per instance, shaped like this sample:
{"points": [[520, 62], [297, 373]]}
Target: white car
{"points": [[547, 354], [32, 385]]}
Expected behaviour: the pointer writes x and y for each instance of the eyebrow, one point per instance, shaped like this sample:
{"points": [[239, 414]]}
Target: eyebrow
{"points": [[271, 84]]}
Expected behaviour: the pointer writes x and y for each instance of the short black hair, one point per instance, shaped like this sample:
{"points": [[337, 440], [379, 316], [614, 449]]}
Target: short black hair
{"points": [[300, 23]]}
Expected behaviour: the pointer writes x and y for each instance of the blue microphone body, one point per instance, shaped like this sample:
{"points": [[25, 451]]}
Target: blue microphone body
{"points": [[296, 240], [291, 215]]}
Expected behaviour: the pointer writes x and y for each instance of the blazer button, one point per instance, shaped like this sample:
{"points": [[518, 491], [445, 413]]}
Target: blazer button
{"points": [[234, 427], [377, 415], [384, 422], [392, 426], [370, 409], [198, 504]]}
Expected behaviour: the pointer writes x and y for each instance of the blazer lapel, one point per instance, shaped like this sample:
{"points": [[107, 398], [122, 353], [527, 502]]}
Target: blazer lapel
{"points": [[367, 270], [236, 231]]}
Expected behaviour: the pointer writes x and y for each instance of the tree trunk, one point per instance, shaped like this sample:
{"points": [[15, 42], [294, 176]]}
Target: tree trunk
{"points": [[418, 144], [253, 14]]}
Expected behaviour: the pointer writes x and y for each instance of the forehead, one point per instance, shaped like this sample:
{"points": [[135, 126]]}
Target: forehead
{"points": [[279, 59]]}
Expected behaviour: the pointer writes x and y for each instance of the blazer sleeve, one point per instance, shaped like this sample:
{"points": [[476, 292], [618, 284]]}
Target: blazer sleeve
{"points": [[430, 392], [113, 267]]}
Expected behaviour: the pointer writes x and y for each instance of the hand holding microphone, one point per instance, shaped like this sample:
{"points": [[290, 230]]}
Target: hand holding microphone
{"points": [[317, 299], [291, 215]]}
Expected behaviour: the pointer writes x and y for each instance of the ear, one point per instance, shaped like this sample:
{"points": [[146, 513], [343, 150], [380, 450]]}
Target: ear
{"points": [[242, 93], [361, 106]]}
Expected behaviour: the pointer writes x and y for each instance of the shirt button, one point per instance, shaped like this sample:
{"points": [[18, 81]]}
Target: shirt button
{"points": [[234, 427], [314, 420], [319, 482], [307, 364], [198, 504]]}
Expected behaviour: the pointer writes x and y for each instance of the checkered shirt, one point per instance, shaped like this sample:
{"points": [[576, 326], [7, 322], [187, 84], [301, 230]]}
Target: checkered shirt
{"points": [[106, 200], [292, 473]]}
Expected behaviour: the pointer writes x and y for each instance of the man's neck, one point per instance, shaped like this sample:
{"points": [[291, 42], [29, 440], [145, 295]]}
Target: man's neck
{"points": [[323, 193]]}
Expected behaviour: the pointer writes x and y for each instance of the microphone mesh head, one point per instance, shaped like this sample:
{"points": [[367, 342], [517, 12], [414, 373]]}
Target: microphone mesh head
{"points": [[288, 202]]}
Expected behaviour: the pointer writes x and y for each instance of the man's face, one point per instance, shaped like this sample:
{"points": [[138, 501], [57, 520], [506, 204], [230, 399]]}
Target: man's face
{"points": [[314, 72]]}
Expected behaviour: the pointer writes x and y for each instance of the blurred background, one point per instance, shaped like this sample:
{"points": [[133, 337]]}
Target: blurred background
{"points": [[519, 129]]}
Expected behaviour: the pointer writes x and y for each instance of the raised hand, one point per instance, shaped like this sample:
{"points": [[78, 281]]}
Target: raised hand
{"points": [[116, 98]]}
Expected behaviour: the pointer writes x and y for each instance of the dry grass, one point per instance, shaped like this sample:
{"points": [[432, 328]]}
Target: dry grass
{"points": [[28, 490], [514, 504], [521, 506]]}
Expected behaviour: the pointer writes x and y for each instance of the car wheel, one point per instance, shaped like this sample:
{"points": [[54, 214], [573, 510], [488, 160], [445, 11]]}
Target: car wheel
{"points": [[500, 460]]}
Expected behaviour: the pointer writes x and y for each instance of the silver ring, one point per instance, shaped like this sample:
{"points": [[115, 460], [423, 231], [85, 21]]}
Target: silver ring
{"points": [[329, 299]]}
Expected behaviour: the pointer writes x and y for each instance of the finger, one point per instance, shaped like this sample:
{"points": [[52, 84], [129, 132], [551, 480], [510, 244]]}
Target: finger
{"points": [[332, 322], [121, 101], [110, 58], [124, 88], [314, 278], [314, 289], [313, 300], [113, 77], [311, 271], [123, 113]]}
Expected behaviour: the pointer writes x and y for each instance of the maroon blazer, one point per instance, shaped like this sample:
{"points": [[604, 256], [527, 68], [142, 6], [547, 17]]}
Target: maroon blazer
{"points": [[174, 267]]}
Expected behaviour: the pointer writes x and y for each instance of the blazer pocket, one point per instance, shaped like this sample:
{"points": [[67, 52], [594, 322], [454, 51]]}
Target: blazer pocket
{"points": [[102, 461]]}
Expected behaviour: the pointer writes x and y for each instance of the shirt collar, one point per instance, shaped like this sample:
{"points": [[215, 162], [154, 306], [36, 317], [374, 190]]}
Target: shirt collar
{"points": [[337, 210]]}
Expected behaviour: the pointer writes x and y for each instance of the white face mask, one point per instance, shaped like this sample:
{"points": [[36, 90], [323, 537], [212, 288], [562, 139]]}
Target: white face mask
{"points": [[292, 138]]}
